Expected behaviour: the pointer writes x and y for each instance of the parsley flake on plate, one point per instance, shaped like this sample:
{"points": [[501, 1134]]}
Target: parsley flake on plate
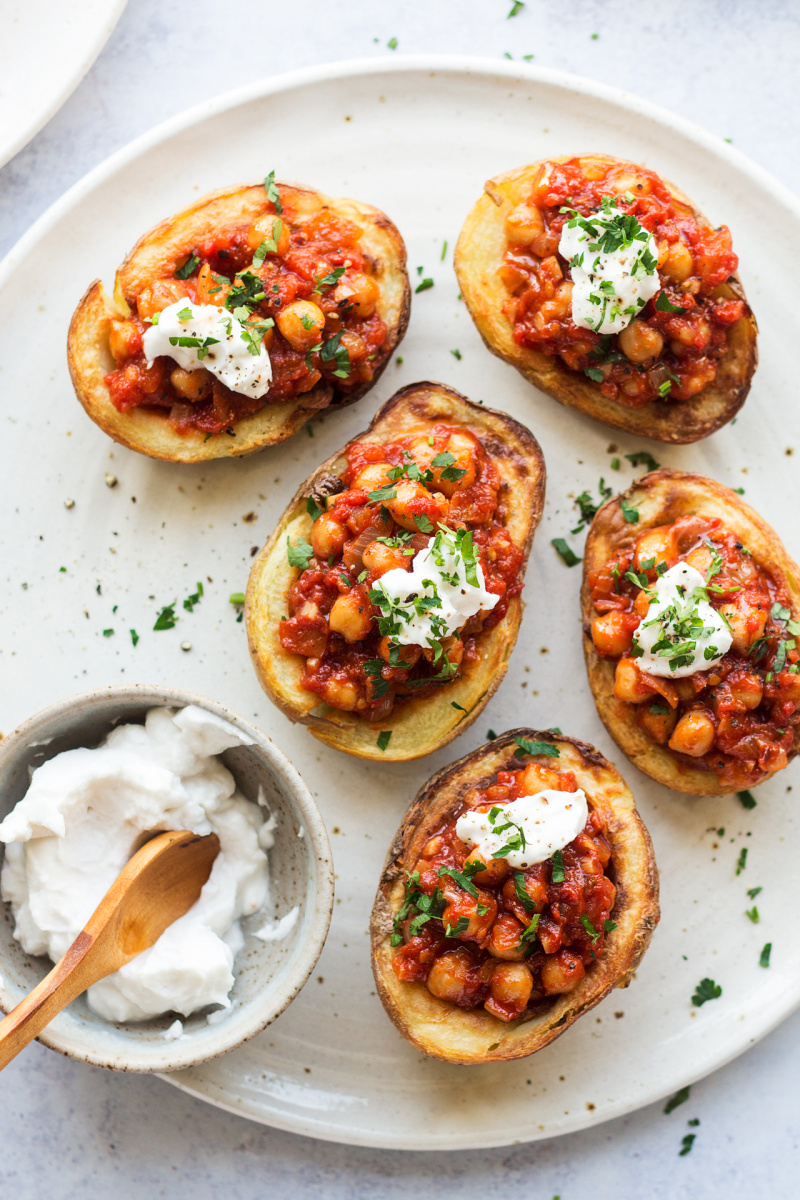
{"points": [[765, 953], [706, 990], [680, 1097], [166, 618], [567, 555]]}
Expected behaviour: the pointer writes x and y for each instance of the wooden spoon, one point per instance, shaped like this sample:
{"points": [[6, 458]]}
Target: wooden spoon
{"points": [[159, 884]]}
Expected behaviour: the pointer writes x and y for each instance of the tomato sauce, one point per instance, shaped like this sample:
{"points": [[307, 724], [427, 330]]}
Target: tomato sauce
{"points": [[356, 539], [746, 706], [693, 261], [524, 936], [319, 260]]}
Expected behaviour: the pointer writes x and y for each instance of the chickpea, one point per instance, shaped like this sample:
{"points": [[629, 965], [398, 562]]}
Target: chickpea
{"points": [[191, 385], [208, 290], [612, 634], [747, 623], [328, 536], [679, 264], [511, 987], [642, 603], [561, 972], [747, 690], [560, 306], [694, 734], [351, 616], [354, 344], [535, 778], [124, 339], [380, 558], [158, 295], [463, 449], [447, 979], [534, 887], [628, 684], [493, 873], [358, 294], [700, 558], [413, 499], [658, 544], [460, 905], [789, 684], [640, 342], [341, 694], [372, 477], [505, 940], [523, 224], [657, 725], [629, 183], [269, 228], [409, 655], [301, 323]]}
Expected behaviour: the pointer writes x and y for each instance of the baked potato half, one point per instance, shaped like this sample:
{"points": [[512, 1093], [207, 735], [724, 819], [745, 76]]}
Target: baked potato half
{"points": [[733, 722], [682, 367], [346, 684], [327, 346], [473, 1034]]}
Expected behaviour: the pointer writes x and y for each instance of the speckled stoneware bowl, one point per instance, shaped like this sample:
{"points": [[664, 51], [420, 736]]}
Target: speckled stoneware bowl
{"points": [[268, 974]]}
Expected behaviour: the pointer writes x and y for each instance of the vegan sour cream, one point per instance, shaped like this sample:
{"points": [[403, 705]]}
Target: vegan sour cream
{"points": [[682, 633], [84, 815], [204, 335], [535, 826]]}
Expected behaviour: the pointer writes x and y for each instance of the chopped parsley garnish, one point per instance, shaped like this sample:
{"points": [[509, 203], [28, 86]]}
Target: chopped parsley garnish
{"points": [[423, 523], [194, 599], [491, 735], [516, 7], [753, 892], [643, 457], [423, 285], [609, 926], [594, 373], [269, 245], [236, 598], [416, 901], [558, 868], [588, 507], [461, 926], [706, 990], [463, 878], [392, 43], [134, 636], [630, 513], [529, 932], [741, 861], [298, 554], [460, 707], [765, 953], [525, 746], [384, 737], [273, 195], [201, 345], [456, 354], [108, 633], [747, 798], [191, 264], [328, 281], [312, 508], [664, 304], [753, 914], [568, 556], [687, 1141], [522, 895], [166, 618], [680, 1097], [589, 927], [334, 351]]}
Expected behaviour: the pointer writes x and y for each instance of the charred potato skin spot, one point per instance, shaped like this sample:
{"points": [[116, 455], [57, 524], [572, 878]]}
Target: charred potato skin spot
{"points": [[89, 358], [421, 725], [661, 497], [474, 1035], [479, 252]]}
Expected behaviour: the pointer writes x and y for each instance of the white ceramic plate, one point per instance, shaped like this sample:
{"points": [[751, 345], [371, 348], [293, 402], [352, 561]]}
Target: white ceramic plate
{"points": [[47, 48], [417, 138]]}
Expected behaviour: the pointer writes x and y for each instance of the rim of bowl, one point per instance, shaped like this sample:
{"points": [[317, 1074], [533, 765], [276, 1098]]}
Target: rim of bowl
{"points": [[239, 1027]]}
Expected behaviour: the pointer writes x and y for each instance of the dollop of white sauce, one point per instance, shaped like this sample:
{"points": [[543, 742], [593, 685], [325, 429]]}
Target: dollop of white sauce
{"points": [[609, 288], [438, 572], [85, 813], [548, 821], [221, 346], [676, 600]]}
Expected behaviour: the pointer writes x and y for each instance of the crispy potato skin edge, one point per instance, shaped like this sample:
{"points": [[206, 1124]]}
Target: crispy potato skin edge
{"points": [[479, 252], [661, 497], [473, 1035], [422, 725], [89, 358]]}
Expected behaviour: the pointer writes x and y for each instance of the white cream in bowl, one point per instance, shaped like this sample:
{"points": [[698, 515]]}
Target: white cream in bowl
{"points": [[85, 813]]}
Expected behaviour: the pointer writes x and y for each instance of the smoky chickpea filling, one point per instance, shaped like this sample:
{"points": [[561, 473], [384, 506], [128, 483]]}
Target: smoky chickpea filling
{"points": [[305, 290], [736, 719], [671, 349], [385, 507], [480, 933]]}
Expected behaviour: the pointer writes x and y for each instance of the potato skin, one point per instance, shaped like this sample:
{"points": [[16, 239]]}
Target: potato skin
{"points": [[164, 246], [661, 497], [478, 255], [474, 1035], [420, 725]]}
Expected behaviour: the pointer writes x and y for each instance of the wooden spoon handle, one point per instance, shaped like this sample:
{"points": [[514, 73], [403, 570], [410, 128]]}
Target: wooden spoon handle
{"points": [[69, 977]]}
